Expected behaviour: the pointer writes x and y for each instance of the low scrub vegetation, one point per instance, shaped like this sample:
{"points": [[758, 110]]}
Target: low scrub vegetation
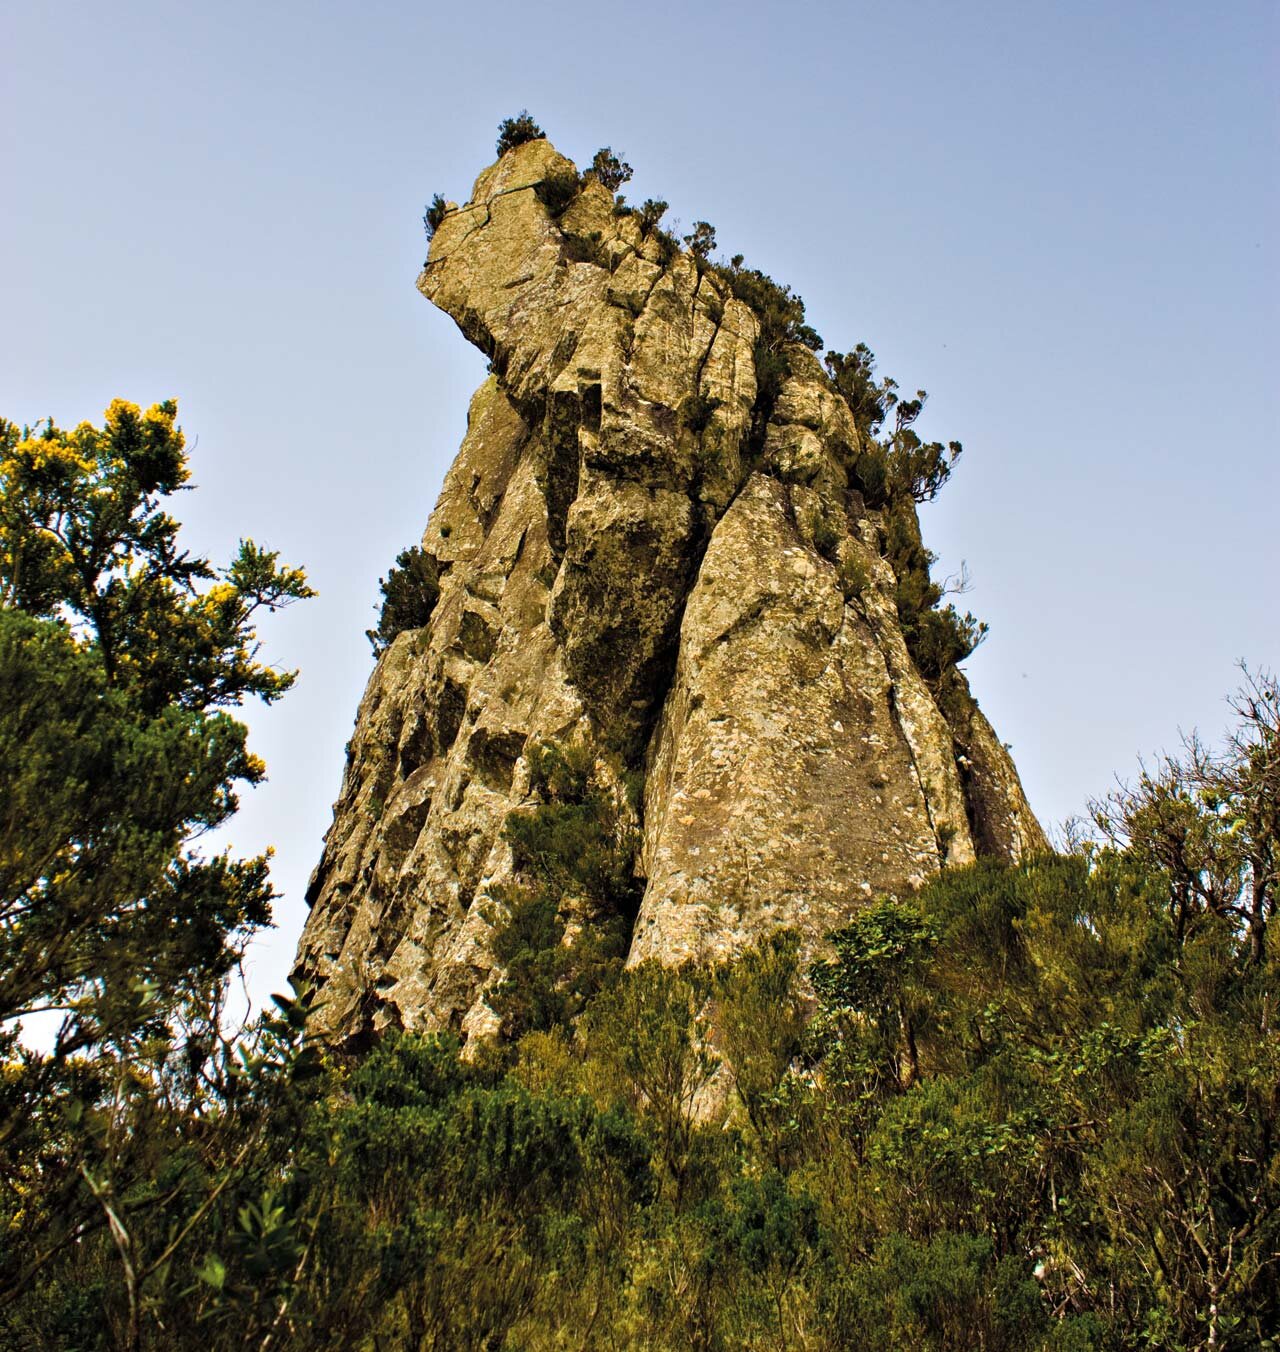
{"points": [[1029, 1107]]}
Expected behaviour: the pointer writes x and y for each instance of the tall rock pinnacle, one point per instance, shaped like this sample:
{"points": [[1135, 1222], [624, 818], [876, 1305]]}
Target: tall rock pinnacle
{"points": [[651, 548]]}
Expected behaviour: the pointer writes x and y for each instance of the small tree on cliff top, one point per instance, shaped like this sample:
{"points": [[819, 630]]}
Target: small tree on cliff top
{"points": [[515, 131]]}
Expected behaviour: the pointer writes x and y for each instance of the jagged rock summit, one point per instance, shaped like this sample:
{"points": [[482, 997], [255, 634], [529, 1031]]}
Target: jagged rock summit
{"points": [[652, 548]]}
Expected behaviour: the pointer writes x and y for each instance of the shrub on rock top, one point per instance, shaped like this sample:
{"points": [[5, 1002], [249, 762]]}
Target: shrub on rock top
{"points": [[515, 131]]}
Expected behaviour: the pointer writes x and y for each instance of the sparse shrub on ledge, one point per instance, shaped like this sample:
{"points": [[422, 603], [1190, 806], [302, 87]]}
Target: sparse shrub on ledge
{"points": [[575, 846]]}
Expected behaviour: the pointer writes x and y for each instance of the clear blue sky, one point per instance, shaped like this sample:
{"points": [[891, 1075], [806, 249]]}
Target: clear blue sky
{"points": [[1059, 218]]}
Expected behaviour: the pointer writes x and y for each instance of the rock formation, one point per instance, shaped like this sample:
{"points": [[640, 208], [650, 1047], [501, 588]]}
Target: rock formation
{"points": [[638, 555]]}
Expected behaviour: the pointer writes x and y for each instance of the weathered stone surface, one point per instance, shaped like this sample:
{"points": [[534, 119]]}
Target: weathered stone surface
{"points": [[781, 786], [623, 562]]}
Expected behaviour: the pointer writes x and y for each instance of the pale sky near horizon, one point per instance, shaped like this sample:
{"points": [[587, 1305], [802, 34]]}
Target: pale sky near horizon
{"points": [[1059, 218]]}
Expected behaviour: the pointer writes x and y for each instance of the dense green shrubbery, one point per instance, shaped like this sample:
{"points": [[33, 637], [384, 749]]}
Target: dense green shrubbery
{"points": [[409, 595], [1037, 1110], [568, 922]]}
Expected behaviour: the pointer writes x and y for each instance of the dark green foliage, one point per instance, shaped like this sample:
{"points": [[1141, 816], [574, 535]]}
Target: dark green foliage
{"points": [[515, 131], [119, 653], [764, 1226], [781, 314], [577, 841], [895, 466], [434, 214], [895, 471], [651, 212], [1015, 1056], [1211, 821], [701, 240], [576, 849], [852, 374], [559, 188], [938, 637], [446, 1205], [611, 170], [178, 1142], [1037, 1110], [409, 595], [698, 410], [761, 1022], [949, 1292], [647, 1029], [119, 656]]}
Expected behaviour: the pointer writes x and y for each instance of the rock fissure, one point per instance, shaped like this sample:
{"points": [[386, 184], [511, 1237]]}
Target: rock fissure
{"points": [[670, 596], [891, 697]]}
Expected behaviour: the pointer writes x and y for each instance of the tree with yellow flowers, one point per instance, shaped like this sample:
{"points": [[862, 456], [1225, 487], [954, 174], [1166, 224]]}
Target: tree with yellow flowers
{"points": [[120, 655]]}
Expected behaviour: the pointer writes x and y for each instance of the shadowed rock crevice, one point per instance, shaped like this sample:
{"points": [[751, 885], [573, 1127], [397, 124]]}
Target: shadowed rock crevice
{"points": [[649, 545]]}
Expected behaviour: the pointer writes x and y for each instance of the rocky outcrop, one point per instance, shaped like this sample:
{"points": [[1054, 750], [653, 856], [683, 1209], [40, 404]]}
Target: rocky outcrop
{"points": [[633, 556]]}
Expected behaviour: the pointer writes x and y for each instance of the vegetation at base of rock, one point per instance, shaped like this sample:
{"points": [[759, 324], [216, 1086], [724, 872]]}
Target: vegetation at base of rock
{"points": [[409, 595], [516, 131], [434, 214], [1037, 1108]]}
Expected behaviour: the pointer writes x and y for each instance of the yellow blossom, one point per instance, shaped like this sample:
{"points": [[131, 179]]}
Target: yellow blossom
{"points": [[120, 409]]}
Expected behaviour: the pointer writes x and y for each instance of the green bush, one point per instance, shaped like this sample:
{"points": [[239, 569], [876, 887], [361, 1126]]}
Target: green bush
{"points": [[434, 214], [409, 595], [701, 240], [559, 188], [650, 213], [610, 169], [574, 851], [515, 131]]}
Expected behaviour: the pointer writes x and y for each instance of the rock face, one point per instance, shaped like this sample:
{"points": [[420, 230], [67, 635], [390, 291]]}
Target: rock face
{"points": [[635, 555]]}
